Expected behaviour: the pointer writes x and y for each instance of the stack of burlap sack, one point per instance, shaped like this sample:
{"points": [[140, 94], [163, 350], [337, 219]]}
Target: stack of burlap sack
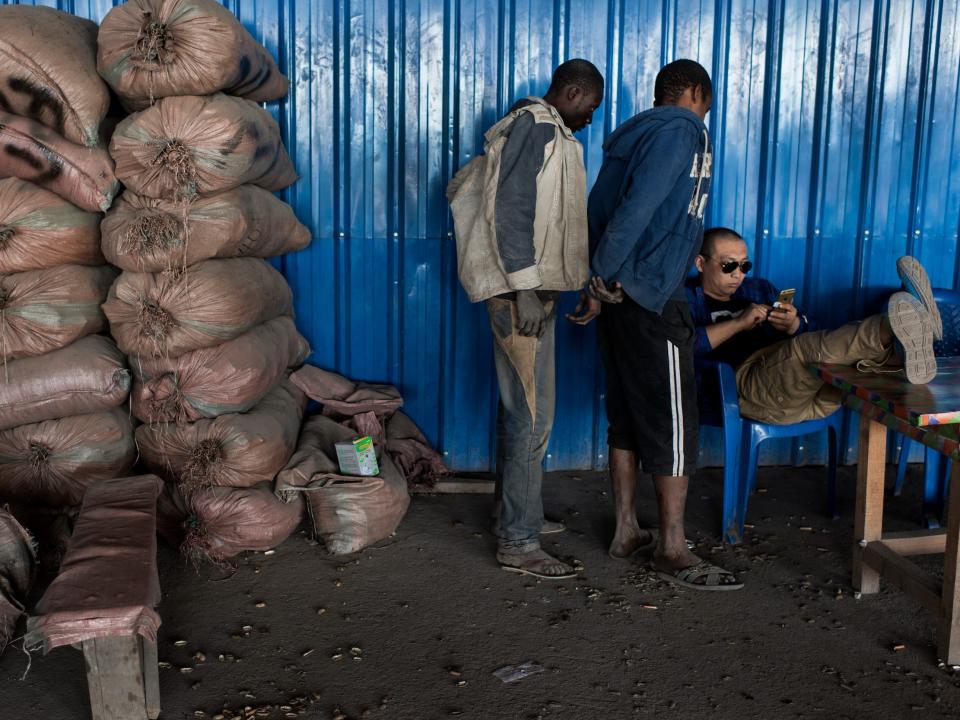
{"points": [[206, 322], [63, 386]]}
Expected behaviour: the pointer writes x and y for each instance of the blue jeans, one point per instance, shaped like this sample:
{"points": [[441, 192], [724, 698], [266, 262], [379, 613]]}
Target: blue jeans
{"points": [[526, 374]]}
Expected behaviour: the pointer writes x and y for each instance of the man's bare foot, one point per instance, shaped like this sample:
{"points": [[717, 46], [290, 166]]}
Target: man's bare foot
{"points": [[628, 542], [536, 563]]}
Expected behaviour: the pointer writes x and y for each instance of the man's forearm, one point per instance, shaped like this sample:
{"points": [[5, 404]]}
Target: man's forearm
{"points": [[721, 332]]}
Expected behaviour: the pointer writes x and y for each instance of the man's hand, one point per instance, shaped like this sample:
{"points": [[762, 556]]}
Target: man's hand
{"points": [[753, 315], [613, 294], [588, 306], [531, 315], [784, 319]]}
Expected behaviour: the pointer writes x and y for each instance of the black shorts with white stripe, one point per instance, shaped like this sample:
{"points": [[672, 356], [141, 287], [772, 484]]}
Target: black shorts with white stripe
{"points": [[651, 394]]}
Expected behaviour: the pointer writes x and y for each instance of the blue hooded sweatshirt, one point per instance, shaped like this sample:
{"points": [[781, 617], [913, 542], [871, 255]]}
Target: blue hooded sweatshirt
{"points": [[646, 208]]}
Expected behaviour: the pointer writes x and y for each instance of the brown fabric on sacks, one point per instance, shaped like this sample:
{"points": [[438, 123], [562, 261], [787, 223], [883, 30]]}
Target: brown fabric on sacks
{"points": [[44, 310], [17, 565], [87, 376], [169, 314], [345, 397], [156, 48], [238, 450], [34, 152], [147, 235], [420, 464], [55, 461], [217, 523], [108, 582], [188, 146], [348, 513], [48, 71], [39, 229], [227, 378]]}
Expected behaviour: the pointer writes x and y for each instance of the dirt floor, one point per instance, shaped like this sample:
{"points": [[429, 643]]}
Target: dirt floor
{"points": [[415, 627]]}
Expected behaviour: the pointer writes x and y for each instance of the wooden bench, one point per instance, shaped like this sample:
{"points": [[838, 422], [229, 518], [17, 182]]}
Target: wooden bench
{"points": [[102, 600]]}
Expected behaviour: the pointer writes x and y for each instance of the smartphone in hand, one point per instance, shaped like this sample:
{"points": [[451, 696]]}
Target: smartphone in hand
{"points": [[785, 297]]}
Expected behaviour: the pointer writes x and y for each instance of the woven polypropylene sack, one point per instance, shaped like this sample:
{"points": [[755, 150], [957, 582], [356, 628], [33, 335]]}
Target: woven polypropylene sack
{"points": [[39, 229], [220, 522], [227, 378], [48, 71], [31, 151], [188, 146], [17, 565], [108, 584], [53, 462], [168, 314], [347, 513], [44, 310], [87, 376], [156, 48], [236, 450], [147, 235]]}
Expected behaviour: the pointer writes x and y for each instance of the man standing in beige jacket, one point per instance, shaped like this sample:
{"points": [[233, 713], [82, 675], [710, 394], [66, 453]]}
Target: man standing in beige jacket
{"points": [[520, 216]]}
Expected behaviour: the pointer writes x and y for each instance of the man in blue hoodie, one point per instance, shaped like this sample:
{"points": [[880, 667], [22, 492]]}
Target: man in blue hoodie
{"points": [[645, 217]]}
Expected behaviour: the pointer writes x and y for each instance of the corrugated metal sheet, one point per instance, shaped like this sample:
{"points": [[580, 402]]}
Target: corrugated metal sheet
{"points": [[836, 129]]}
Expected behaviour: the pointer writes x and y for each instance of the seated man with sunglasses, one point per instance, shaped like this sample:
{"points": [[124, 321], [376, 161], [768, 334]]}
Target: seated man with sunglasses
{"points": [[769, 347]]}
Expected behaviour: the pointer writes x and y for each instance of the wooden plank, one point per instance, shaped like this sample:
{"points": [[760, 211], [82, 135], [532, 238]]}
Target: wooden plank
{"points": [[460, 485], [948, 626], [903, 573], [868, 515], [151, 679], [115, 678], [916, 542]]}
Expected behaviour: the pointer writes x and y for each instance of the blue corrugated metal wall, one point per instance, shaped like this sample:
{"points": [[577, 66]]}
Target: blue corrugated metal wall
{"points": [[836, 129]]}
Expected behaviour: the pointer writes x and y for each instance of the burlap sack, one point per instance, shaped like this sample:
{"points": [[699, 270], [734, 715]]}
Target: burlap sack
{"points": [[88, 376], [34, 152], [147, 235], [220, 522], [17, 565], [44, 310], [53, 462], [108, 583], [228, 378], [48, 71], [237, 450], [419, 463], [188, 146], [169, 314], [156, 48], [348, 513], [39, 229]]}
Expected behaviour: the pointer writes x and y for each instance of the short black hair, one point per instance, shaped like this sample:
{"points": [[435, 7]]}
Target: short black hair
{"points": [[675, 78], [579, 72], [711, 236]]}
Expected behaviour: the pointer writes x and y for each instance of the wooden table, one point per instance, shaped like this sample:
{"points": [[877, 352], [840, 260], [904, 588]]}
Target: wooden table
{"points": [[928, 414]]}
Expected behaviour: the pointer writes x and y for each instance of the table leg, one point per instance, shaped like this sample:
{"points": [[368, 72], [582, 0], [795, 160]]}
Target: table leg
{"points": [[948, 631], [868, 516]]}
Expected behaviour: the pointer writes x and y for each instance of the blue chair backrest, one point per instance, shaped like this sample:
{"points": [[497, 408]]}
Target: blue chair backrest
{"points": [[948, 301]]}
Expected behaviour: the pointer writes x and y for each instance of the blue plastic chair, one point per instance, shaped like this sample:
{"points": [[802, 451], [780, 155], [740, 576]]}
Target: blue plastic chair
{"points": [[936, 468], [742, 439]]}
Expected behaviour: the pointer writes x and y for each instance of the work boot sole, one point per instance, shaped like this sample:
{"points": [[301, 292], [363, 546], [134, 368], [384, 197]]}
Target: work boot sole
{"points": [[910, 323], [917, 283]]}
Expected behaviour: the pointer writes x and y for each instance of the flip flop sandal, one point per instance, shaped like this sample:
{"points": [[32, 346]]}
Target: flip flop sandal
{"points": [[687, 577], [529, 568]]}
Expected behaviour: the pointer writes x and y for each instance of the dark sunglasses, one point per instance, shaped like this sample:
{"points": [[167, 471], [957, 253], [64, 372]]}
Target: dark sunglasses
{"points": [[728, 266]]}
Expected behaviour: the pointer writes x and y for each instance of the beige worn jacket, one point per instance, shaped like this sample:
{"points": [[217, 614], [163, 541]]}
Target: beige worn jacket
{"points": [[560, 224]]}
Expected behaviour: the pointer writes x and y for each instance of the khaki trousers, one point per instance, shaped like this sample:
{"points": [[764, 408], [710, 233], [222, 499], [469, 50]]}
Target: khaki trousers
{"points": [[775, 385]]}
